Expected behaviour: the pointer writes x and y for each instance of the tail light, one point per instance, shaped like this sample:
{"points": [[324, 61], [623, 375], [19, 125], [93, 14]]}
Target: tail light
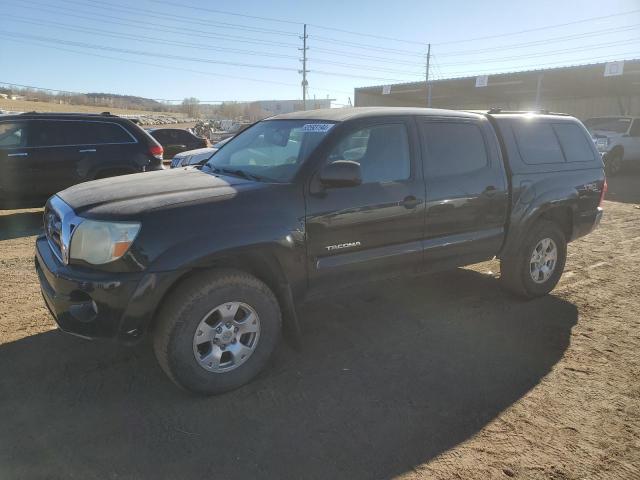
{"points": [[605, 188], [157, 151]]}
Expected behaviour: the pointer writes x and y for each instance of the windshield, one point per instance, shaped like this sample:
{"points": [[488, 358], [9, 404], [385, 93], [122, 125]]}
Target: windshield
{"points": [[272, 150], [608, 124]]}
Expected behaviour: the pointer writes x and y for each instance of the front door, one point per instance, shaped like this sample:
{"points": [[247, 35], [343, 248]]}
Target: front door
{"points": [[15, 164], [467, 192], [373, 230]]}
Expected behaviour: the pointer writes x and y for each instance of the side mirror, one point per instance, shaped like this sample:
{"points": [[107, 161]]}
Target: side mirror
{"points": [[341, 173]]}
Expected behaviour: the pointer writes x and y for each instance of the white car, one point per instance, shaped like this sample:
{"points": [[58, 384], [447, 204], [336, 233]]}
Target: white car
{"points": [[617, 138], [198, 156]]}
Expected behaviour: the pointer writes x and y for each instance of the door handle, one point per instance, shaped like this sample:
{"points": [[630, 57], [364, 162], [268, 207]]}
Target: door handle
{"points": [[22, 154], [87, 150], [410, 202]]}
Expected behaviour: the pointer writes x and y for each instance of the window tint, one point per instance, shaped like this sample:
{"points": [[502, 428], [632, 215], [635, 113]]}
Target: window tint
{"points": [[46, 133], [50, 133], [453, 148], [86, 133], [182, 136], [13, 134], [574, 142], [537, 142], [161, 136], [381, 150]]}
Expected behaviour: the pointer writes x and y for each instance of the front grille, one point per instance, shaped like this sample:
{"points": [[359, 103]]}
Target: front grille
{"points": [[53, 230]]}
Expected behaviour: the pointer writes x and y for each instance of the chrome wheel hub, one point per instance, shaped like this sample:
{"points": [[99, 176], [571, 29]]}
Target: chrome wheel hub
{"points": [[226, 337], [543, 260]]}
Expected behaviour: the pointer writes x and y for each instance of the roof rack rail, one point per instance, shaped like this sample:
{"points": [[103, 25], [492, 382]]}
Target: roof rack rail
{"points": [[495, 110]]}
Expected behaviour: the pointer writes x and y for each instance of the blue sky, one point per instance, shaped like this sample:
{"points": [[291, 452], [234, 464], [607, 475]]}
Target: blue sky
{"points": [[172, 49]]}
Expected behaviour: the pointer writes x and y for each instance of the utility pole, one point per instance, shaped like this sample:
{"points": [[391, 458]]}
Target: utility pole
{"points": [[304, 70], [427, 76]]}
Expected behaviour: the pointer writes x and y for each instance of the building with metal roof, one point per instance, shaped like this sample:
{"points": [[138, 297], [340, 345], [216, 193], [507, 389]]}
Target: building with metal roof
{"points": [[584, 91]]}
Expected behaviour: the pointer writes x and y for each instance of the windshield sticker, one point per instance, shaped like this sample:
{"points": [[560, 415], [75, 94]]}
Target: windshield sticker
{"points": [[317, 127]]}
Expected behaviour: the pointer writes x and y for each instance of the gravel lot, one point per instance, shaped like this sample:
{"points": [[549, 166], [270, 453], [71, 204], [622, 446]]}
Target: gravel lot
{"points": [[439, 377]]}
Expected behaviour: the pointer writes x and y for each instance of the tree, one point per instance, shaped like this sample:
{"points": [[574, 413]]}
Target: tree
{"points": [[190, 106]]}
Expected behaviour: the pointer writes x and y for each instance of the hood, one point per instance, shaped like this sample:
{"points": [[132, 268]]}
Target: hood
{"points": [[198, 151], [133, 195], [605, 134]]}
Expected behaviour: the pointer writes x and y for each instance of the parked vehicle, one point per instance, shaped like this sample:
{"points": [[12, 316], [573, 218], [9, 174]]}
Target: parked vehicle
{"points": [[176, 140], [213, 261], [618, 139], [43, 153], [196, 157]]}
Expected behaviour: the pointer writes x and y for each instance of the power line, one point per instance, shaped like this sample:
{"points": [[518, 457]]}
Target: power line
{"points": [[575, 36], [184, 58], [145, 53], [155, 40], [537, 29], [159, 27], [171, 67], [162, 16], [543, 54], [565, 63], [351, 32], [204, 9]]}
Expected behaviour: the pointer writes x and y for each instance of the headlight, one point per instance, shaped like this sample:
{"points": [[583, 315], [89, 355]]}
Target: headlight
{"points": [[602, 143], [98, 242]]}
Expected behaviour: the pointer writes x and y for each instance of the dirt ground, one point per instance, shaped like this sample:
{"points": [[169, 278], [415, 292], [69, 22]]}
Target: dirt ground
{"points": [[441, 377]]}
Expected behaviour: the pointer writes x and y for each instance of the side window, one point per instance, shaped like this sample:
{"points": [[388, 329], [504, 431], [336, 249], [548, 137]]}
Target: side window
{"points": [[453, 148], [183, 136], [381, 150], [160, 136], [634, 131], [95, 133], [46, 133], [13, 134], [537, 142], [574, 142]]}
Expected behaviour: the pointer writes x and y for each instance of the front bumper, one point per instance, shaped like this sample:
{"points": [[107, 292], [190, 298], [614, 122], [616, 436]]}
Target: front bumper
{"points": [[94, 304]]}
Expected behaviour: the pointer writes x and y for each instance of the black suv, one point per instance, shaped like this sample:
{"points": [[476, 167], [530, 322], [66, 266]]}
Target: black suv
{"points": [[177, 140], [43, 153], [213, 260]]}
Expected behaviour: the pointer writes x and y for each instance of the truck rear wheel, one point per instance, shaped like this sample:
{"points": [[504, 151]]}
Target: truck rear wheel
{"points": [[217, 331], [538, 265]]}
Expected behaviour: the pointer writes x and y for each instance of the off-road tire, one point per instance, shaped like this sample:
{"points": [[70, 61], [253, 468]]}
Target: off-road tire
{"points": [[515, 269], [182, 312]]}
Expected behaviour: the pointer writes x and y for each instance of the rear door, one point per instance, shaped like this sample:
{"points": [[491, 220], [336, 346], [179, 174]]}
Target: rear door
{"points": [[103, 148], [467, 194], [373, 230]]}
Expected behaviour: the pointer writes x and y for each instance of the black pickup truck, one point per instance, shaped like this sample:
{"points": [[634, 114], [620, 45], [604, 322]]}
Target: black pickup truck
{"points": [[213, 261]]}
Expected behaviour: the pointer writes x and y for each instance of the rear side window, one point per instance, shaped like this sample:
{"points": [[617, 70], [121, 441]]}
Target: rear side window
{"points": [[574, 142], [57, 133], [93, 133], [453, 148], [13, 134], [537, 142]]}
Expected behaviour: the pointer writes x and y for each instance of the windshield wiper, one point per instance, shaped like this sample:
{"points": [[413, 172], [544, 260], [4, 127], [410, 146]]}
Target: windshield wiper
{"points": [[239, 173]]}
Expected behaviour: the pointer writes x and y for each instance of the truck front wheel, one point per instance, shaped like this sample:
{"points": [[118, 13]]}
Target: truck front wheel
{"points": [[216, 331], [536, 268]]}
